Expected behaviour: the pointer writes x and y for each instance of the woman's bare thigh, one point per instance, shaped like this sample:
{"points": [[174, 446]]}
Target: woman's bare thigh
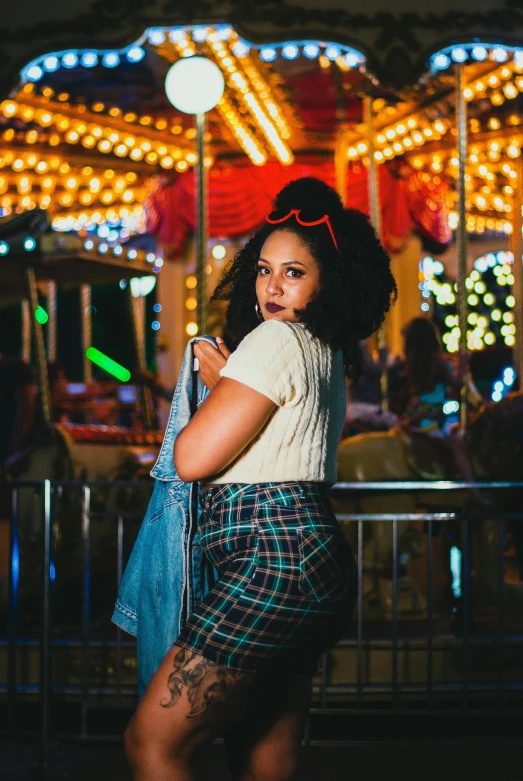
{"points": [[189, 701], [268, 743]]}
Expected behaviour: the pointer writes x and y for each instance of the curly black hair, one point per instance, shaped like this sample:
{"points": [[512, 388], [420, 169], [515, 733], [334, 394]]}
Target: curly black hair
{"points": [[356, 284]]}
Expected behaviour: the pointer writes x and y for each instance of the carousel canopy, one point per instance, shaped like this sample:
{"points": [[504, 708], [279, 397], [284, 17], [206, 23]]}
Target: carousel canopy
{"points": [[87, 132]]}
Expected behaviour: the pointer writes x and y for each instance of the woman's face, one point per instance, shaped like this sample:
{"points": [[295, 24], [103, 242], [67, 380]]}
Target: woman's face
{"points": [[288, 276]]}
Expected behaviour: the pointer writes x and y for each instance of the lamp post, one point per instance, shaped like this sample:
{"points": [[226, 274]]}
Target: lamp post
{"points": [[194, 85]]}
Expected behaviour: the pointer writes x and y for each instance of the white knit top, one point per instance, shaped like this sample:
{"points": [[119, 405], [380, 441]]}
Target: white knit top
{"points": [[306, 379]]}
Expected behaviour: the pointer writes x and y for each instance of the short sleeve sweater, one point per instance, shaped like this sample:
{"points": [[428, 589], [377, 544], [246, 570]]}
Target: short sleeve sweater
{"points": [[306, 379]]}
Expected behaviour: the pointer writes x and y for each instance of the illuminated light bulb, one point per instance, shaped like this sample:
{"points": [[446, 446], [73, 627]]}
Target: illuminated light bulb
{"points": [[9, 108], [89, 59], [240, 49], [459, 54], [479, 53], [290, 52], [499, 54], [440, 61], [110, 60], [191, 304], [191, 329], [34, 73], [219, 251], [107, 364], [104, 145], [510, 91], [70, 60], [497, 98], [136, 54], [181, 165], [332, 53], [191, 282], [311, 50], [51, 63]]}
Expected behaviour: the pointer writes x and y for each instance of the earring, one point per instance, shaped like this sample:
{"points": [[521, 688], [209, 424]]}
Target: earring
{"points": [[258, 312]]}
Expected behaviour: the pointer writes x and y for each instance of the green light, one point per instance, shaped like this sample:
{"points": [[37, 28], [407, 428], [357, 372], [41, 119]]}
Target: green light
{"points": [[106, 363], [41, 315]]}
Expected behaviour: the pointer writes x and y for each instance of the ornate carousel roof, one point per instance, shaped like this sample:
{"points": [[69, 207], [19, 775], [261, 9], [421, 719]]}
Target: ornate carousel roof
{"points": [[87, 132]]}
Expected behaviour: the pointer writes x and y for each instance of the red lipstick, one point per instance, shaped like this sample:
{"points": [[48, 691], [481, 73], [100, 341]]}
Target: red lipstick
{"points": [[270, 307]]}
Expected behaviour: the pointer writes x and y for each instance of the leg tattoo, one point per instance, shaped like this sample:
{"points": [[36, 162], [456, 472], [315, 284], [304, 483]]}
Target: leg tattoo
{"points": [[208, 685]]}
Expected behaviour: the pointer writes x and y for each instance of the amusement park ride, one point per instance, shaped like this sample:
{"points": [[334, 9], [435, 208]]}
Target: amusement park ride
{"points": [[30, 256], [88, 137]]}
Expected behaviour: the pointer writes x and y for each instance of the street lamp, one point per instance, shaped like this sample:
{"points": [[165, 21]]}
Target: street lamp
{"points": [[194, 85]]}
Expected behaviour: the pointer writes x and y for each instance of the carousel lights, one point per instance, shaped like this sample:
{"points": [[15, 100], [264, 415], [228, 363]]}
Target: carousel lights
{"points": [[459, 54], [29, 244], [106, 363], [156, 37], [219, 251], [311, 50], [268, 54], [240, 49], [51, 63], [135, 54], [290, 52], [89, 59], [479, 52], [111, 60], [70, 60], [332, 52], [41, 315], [155, 325], [4, 247]]}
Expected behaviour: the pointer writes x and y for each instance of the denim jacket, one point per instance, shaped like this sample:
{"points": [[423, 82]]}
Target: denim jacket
{"points": [[166, 574]]}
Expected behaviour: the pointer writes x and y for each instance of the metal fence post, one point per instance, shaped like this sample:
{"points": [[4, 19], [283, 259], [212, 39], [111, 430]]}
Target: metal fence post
{"points": [[14, 569], [46, 662]]}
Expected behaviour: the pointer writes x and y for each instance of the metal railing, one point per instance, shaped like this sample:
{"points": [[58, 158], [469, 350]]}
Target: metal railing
{"points": [[456, 654]]}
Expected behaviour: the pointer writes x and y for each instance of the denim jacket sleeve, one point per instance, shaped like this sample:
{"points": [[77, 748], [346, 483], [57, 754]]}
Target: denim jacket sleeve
{"points": [[166, 574]]}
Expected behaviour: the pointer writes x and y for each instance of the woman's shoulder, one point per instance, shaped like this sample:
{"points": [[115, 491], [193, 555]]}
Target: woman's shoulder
{"points": [[275, 332]]}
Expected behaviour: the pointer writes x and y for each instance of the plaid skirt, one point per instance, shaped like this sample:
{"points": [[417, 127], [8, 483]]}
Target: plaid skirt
{"points": [[287, 577]]}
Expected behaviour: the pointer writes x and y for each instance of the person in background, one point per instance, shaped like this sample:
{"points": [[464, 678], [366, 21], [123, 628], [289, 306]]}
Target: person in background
{"points": [[364, 410], [18, 405], [425, 383]]}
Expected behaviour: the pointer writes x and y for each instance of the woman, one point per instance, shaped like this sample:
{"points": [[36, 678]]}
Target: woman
{"points": [[427, 381], [310, 284]]}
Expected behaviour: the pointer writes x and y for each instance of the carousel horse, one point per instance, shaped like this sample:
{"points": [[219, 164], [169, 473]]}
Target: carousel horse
{"points": [[494, 443]]}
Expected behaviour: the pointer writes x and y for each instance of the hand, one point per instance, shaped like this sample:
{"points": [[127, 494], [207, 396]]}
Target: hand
{"points": [[211, 360]]}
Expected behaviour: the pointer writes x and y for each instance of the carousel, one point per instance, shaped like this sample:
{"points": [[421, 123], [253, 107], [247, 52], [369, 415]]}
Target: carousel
{"points": [[428, 145]]}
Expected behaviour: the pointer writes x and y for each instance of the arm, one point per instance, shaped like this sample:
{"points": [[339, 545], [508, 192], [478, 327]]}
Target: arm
{"points": [[229, 418]]}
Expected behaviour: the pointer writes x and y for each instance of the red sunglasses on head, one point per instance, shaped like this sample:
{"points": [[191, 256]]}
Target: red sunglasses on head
{"points": [[296, 213]]}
